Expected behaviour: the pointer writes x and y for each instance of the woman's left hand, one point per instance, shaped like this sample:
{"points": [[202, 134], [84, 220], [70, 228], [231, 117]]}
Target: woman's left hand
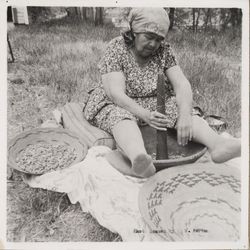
{"points": [[184, 129]]}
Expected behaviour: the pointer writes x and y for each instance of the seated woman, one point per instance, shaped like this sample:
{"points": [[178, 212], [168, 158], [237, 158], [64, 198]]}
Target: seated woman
{"points": [[127, 95]]}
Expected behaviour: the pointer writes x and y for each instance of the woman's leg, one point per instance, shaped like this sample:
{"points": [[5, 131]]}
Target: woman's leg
{"points": [[129, 138], [220, 148]]}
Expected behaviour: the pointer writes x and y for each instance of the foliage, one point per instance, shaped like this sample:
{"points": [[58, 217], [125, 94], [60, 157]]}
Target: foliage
{"points": [[37, 14], [182, 18], [206, 18]]}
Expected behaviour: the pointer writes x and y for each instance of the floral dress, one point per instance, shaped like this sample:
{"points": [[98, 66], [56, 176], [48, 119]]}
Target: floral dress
{"points": [[141, 85]]}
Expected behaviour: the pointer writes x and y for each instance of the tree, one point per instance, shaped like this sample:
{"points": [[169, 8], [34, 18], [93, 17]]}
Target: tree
{"points": [[39, 14], [196, 18], [230, 17], [182, 15], [193, 14], [208, 15], [225, 17], [99, 15], [171, 18], [236, 16]]}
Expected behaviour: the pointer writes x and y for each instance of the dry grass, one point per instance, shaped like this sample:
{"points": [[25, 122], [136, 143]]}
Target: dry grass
{"points": [[212, 64], [37, 215], [56, 63]]}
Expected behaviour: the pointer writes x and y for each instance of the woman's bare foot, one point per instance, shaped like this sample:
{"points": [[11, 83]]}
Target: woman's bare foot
{"points": [[226, 149], [120, 162], [143, 165]]}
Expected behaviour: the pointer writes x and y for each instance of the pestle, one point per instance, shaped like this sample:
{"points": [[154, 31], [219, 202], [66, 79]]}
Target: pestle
{"points": [[161, 147]]}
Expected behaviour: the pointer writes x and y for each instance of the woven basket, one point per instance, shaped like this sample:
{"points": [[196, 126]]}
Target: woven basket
{"points": [[47, 135], [198, 202], [183, 155]]}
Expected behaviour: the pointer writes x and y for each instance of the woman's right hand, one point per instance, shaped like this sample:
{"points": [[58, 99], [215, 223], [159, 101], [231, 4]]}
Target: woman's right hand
{"points": [[156, 120]]}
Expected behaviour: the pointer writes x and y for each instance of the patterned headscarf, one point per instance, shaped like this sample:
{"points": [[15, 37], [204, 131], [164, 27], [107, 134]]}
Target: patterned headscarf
{"points": [[154, 20]]}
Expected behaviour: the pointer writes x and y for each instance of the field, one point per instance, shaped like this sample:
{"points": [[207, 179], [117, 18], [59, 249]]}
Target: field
{"points": [[56, 62]]}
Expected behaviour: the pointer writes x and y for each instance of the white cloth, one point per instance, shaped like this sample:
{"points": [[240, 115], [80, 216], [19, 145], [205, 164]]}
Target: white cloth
{"points": [[101, 190], [108, 195], [104, 192]]}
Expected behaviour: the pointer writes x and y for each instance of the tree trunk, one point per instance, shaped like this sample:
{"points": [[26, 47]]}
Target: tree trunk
{"points": [[239, 17], [99, 16], [233, 16], [197, 20], [226, 16], [171, 18], [236, 16], [208, 13], [91, 16], [84, 13], [76, 11], [193, 12]]}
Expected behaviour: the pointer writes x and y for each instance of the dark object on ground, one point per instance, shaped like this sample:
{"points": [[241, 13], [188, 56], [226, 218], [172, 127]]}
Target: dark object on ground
{"points": [[216, 122], [10, 49]]}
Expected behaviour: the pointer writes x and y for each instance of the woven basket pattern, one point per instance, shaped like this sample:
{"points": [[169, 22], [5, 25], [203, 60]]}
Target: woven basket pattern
{"points": [[193, 202], [47, 135]]}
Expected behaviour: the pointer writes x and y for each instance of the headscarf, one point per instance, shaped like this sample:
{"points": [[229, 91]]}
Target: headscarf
{"points": [[154, 20]]}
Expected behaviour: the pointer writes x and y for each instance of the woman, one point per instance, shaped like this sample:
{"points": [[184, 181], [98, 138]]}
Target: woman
{"points": [[129, 70]]}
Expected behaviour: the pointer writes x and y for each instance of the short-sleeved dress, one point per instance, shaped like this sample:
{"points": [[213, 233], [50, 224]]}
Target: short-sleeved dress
{"points": [[141, 85]]}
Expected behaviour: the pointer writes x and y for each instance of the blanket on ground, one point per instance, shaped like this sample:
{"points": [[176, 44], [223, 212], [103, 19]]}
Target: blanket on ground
{"points": [[108, 195]]}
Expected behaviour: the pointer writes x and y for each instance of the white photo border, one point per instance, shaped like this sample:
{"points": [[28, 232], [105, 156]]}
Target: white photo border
{"points": [[243, 243]]}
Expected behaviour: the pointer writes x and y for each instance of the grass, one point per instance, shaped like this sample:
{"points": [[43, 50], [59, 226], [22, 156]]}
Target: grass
{"points": [[56, 62], [37, 215], [213, 66]]}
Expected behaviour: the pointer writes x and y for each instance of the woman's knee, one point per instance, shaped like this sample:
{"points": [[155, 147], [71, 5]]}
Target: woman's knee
{"points": [[125, 125]]}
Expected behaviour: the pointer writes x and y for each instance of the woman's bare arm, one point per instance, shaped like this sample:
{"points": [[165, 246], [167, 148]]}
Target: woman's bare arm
{"points": [[115, 88], [184, 99], [182, 88]]}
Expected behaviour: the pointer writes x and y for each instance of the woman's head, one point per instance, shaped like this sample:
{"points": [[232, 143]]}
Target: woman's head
{"points": [[149, 26], [147, 43], [149, 20]]}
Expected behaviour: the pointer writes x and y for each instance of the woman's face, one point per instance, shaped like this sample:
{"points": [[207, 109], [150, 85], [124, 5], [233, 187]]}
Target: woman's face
{"points": [[147, 43]]}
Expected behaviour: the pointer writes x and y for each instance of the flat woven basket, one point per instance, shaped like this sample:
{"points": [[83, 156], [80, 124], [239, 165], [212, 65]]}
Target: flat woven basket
{"points": [[196, 202], [45, 135]]}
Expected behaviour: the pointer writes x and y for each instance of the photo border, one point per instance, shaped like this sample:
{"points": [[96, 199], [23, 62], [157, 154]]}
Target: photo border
{"points": [[243, 243]]}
